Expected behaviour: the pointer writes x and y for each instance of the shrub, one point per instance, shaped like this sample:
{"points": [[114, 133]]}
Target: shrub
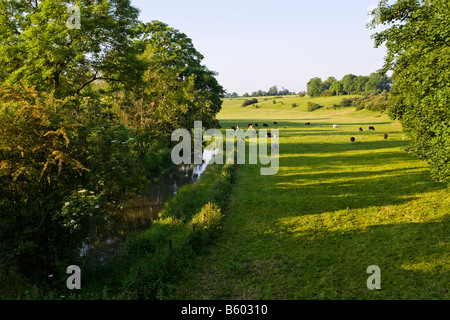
{"points": [[205, 226], [313, 106], [249, 102], [188, 224], [346, 102]]}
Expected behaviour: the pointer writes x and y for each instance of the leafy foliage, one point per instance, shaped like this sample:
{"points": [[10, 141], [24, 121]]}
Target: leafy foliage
{"points": [[85, 120], [419, 55], [249, 102], [349, 84], [64, 164], [313, 106]]}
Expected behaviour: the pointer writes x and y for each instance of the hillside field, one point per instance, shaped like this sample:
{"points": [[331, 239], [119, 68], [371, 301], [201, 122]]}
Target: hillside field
{"points": [[333, 210]]}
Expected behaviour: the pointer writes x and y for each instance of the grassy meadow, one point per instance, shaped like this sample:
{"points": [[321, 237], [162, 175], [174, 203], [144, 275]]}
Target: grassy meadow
{"points": [[333, 210]]}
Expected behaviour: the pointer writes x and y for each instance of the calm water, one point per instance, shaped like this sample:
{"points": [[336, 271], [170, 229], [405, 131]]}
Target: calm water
{"points": [[139, 212]]}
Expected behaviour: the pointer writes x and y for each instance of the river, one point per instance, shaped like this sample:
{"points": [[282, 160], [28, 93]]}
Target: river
{"points": [[139, 212]]}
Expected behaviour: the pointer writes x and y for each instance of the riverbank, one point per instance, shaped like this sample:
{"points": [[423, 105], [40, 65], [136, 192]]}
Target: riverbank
{"points": [[157, 258]]}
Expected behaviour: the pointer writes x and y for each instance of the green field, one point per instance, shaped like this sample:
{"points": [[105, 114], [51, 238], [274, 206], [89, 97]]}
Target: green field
{"points": [[333, 210]]}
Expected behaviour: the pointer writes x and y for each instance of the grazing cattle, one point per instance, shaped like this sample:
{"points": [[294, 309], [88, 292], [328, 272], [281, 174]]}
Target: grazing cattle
{"points": [[233, 128], [385, 136], [361, 129], [275, 123], [265, 125], [308, 124], [256, 125], [352, 139], [335, 126], [372, 128]]}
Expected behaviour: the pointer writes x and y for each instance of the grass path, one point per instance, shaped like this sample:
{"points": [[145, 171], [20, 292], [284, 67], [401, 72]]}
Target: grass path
{"points": [[333, 210]]}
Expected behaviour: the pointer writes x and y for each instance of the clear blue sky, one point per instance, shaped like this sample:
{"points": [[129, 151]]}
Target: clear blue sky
{"points": [[255, 44]]}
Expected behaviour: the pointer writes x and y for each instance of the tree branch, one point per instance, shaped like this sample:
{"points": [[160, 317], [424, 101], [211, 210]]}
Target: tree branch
{"points": [[96, 78]]}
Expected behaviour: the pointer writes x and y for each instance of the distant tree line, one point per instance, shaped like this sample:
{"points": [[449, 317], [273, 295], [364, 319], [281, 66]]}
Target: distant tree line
{"points": [[273, 91], [349, 84], [231, 95]]}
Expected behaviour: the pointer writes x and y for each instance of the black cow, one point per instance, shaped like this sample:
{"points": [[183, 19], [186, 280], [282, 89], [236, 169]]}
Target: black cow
{"points": [[256, 125], [275, 123], [361, 129], [352, 139], [385, 136], [265, 125], [233, 127], [308, 124], [372, 128]]}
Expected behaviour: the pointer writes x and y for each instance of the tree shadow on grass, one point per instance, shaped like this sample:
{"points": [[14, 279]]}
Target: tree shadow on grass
{"points": [[343, 151], [323, 264], [339, 148], [413, 259], [325, 192], [300, 123], [316, 184]]}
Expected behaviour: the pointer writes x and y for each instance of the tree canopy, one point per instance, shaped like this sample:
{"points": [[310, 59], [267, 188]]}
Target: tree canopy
{"points": [[418, 46], [38, 49], [349, 84], [85, 116]]}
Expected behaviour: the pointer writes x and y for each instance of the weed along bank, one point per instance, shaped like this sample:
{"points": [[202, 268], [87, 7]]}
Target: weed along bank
{"points": [[235, 145]]}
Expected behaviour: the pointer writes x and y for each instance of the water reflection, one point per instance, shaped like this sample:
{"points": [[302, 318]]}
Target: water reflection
{"points": [[139, 212]]}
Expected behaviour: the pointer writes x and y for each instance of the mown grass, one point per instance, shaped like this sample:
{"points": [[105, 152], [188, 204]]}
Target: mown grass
{"points": [[333, 210]]}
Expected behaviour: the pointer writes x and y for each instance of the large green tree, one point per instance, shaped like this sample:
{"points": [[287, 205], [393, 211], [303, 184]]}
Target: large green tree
{"points": [[39, 49], [418, 44], [349, 83], [273, 91], [314, 87], [180, 88], [336, 87], [328, 83], [84, 114]]}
